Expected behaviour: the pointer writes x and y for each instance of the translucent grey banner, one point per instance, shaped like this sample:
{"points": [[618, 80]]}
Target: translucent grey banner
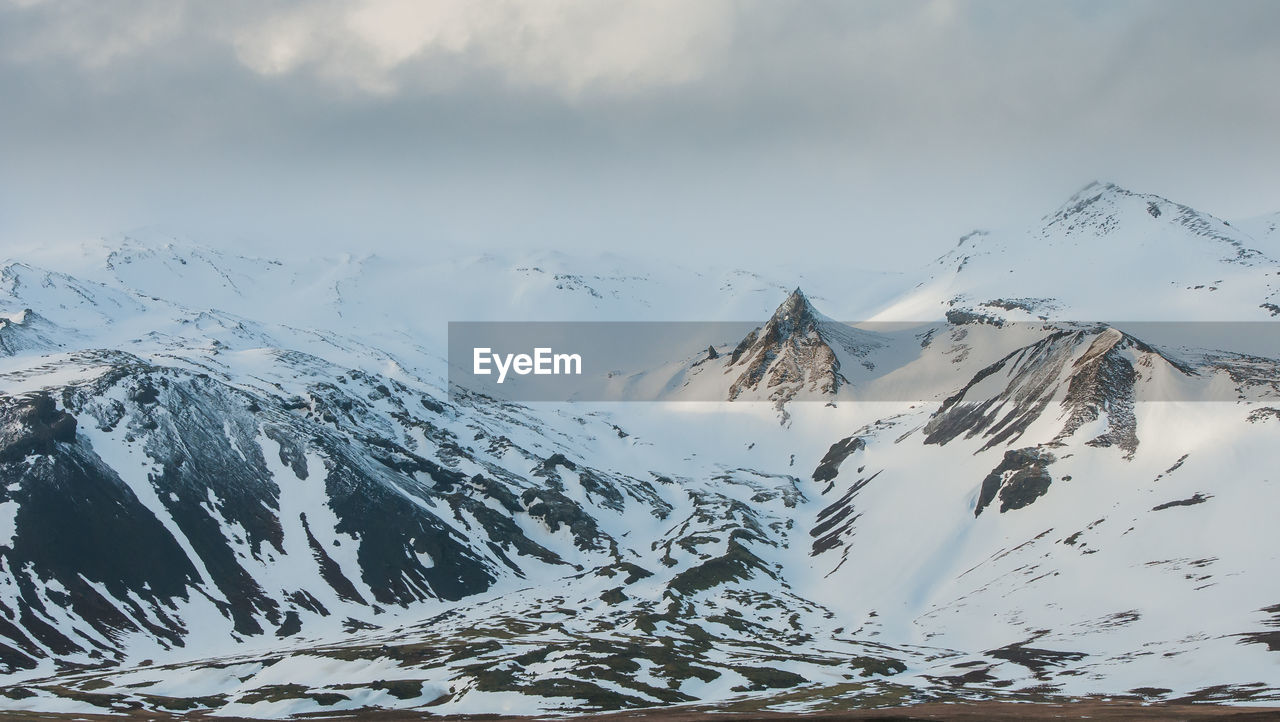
{"points": [[805, 358]]}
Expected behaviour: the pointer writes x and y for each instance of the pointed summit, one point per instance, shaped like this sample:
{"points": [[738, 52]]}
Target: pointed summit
{"points": [[794, 315], [1101, 209], [1105, 209], [795, 311], [793, 352]]}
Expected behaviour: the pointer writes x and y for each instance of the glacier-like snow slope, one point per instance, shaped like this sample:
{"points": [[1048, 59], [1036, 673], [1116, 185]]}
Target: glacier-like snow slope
{"points": [[236, 484]]}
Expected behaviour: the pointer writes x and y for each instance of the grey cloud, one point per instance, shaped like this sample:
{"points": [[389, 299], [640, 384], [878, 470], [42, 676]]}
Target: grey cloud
{"points": [[710, 125]]}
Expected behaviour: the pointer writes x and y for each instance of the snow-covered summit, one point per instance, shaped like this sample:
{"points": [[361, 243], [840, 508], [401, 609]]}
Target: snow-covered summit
{"points": [[1107, 253]]}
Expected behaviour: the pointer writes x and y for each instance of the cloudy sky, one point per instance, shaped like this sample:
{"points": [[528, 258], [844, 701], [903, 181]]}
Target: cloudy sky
{"points": [[875, 131]]}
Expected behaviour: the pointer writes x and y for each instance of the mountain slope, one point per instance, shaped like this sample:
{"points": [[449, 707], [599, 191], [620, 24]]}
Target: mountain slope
{"points": [[798, 351]]}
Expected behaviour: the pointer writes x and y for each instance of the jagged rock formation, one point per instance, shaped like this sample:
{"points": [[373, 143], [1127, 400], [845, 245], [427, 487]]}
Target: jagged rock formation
{"points": [[1090, 373], [796, 352]]}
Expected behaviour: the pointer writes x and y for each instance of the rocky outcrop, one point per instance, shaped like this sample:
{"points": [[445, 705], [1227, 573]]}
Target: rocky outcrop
{"points": [[796, 353], [32, 425], [829, 466], [1020, 479], [1089, 373], [157, 488]]}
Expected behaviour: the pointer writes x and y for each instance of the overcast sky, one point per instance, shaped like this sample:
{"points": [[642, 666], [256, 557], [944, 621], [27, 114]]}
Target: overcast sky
{"points": [[874, 133]]}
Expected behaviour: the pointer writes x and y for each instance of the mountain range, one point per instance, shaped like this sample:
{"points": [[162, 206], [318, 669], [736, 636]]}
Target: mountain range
{"points": [[1043, 469]]}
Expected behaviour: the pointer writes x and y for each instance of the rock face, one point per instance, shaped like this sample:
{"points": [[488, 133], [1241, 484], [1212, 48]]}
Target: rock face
{"points": [[797, 352], [787, 355], [170, 496], [829, 467], [1020, 479], [79, 537], [1090, 373], [31, 426]]}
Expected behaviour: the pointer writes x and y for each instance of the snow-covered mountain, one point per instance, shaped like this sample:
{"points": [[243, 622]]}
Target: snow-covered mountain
{"points": [[798, 350], [1106, 254], [238, 484], [797, 354]]}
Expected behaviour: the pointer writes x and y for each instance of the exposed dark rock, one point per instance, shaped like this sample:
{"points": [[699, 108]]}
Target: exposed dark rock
{"points": [[634, 573], [558, 460], [829, 466], [329, 569], [597, 486], [747, 342], [1271, 637], [1034, 369], [145, 394], [1266, 413], [28, 331], [70, 504], [1035, 659], [1020, 479], [33, 425], [1030, 305], [762, 678], [1196, 498], [836, 520], [737, 563], [554, 509], [215, 489], [1101, 380], [498, 492], [292, 625], [963, 317], [613, 596], [973, 676]]}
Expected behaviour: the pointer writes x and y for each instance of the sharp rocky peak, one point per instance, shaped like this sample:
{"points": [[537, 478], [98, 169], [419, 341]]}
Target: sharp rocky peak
{"points": [[788, 355]]}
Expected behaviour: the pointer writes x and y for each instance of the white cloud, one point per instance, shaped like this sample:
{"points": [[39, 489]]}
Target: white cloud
{"points": [[381, 46], [386, 46]]}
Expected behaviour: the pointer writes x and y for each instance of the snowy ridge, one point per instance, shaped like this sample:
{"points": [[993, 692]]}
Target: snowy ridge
{"points": [[1079, 265]]}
